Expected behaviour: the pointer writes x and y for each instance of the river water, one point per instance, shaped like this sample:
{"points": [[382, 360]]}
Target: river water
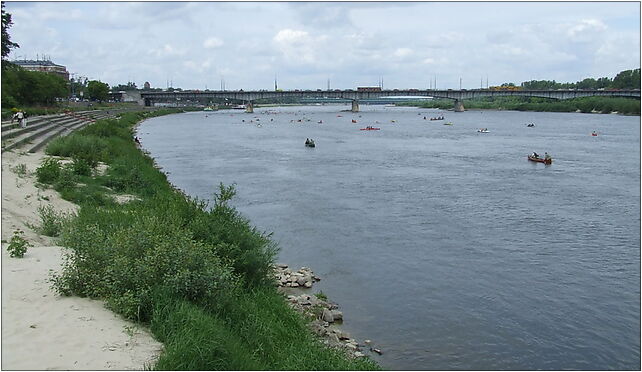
{"points": [[444, 246]]}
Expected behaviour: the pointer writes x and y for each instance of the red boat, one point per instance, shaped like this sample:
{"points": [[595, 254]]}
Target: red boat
{"points": [[540, 160], [369, 128]]}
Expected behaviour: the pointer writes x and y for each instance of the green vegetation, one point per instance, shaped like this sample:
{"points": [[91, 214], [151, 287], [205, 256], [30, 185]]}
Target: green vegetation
{"points": [[51, 222], [18, 244], [97, 91], [604, 105], [199, 275], [20, 170], [628, 79]]}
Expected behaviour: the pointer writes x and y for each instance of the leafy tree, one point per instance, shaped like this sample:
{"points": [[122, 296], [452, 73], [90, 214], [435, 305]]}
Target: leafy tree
{"points": [[129, 86], [97, 91], [7, 44], [629, 79]]}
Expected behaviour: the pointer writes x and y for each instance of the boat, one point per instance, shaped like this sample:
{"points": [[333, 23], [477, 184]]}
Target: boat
{"points": [[311, 144], [354, 121], [530, 125], [437, 118], [594, 134], [540, 160], [209, 108], [370, 128], [483, 130], [449, 123]]}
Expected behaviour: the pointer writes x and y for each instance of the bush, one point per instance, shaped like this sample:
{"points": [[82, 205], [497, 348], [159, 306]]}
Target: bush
{"points": [[18, 245], [51, 222], [49, 171]]}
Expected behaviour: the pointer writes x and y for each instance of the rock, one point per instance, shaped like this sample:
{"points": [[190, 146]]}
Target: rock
{"points": [[351, 346], [300, 280], [294, 284], [376, 351], [367, 342], [359, 354], [336, 315], [327, 316], [282, 266], [342, 335], [307, 284]]}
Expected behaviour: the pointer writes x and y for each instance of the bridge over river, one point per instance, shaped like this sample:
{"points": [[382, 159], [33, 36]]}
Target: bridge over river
{"points": [[248, 97]]}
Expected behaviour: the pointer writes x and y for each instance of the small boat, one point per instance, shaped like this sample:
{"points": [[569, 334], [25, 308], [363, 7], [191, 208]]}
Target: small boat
{"points": [[540, 160], [311, 144], [483, 130], [449, 123], [437, 118], [594, 134], [354, 121], [370, 128], [530, 125]]}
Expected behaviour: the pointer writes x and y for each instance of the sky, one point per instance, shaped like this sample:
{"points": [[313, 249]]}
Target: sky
{"points": [[246, 45]]}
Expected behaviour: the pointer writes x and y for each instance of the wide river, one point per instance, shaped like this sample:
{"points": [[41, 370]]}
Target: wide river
{"points": [[444, 246]]}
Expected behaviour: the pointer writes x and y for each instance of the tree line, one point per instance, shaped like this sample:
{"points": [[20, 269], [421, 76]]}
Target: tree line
{"points": [[628, 79]]}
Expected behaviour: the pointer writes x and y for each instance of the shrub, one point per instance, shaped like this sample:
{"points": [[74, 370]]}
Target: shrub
{"points": [[48, 171], [51, 222], [81, 166], [18, 245]]}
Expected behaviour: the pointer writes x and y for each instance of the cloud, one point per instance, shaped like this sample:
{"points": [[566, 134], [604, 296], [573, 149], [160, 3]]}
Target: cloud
{"points": [[586, 26], [290, 37], [212, 43], [403, 52]]}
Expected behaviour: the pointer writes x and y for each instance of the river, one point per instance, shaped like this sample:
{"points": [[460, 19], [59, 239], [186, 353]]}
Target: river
{"points": [[444, 246]]}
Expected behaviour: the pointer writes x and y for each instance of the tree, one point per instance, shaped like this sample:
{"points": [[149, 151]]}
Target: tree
{"points": [[97, 91], [629, 79], [7, 44]]}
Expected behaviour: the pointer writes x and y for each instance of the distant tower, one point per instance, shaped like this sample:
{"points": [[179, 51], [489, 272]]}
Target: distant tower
{"points": [[276, 87]]}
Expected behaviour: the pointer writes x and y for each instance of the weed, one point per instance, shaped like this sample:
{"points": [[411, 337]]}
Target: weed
{"points": [[18, 244], [322, 296], [20, 170], [49, 171], [51, 221]]}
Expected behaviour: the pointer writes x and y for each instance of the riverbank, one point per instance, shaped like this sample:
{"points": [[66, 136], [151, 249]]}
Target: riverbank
{"points": [[604, 105], [42, 330], [199, 277]]}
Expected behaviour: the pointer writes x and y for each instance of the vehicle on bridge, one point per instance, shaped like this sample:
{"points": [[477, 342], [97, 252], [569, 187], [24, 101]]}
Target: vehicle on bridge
{"points": [[368, 89]]}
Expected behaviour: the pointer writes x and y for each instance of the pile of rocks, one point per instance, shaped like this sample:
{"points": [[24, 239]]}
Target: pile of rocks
{"points": [[304, 277], [325, 316]]}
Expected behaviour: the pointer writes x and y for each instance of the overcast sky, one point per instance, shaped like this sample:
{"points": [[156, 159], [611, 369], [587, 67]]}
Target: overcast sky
{"points": [[196, 44]]}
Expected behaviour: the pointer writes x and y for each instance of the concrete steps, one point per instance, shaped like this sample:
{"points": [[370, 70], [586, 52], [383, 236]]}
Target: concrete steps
{"points": [[42, 129]]}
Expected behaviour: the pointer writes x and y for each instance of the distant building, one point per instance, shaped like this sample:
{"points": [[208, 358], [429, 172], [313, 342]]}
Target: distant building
{"points": [[147, 86], [43, 66]]}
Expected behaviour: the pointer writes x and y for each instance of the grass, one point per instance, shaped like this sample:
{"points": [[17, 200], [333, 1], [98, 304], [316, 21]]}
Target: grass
{"points": [[199, 275]]}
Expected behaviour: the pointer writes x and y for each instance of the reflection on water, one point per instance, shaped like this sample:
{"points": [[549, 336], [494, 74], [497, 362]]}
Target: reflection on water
{"points": [[444, 246]]}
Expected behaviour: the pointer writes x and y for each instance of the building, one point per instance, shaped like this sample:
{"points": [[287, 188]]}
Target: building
{"points": [[43, 66], [147, 86]]}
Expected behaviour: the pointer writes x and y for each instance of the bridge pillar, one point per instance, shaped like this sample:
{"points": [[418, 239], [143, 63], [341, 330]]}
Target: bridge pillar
{"points": [[249, 107], [355, 106], [459, 106]]}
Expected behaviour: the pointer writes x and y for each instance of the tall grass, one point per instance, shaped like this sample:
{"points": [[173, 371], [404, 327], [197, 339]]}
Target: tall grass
{"points": [[198, 274]]}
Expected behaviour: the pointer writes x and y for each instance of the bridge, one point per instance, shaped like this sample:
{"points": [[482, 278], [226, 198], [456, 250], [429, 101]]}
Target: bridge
{"points": [[248, 97]]}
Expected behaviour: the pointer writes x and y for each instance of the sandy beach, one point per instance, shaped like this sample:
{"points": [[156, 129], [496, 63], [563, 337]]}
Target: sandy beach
{"points": [[40, 329]]}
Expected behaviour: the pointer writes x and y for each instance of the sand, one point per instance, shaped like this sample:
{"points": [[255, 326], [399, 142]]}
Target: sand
{"points": [[40, 329]]}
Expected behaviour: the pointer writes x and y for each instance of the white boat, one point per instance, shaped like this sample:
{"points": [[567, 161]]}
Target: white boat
{"points": [[484, 130]]}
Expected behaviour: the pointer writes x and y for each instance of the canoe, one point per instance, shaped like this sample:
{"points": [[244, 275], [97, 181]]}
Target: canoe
{"points": [[540, 160], [370, 128], [310, 145], [483, 131], [448, 123]]}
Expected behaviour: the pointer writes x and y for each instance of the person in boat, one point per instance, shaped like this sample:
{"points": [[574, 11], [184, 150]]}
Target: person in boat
{"points": [[307, 141], [535, 155], [547, 156]]}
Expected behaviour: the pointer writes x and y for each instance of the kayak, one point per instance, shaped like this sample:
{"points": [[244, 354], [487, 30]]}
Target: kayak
{"points": [[483, 131], [448, 123], [540, 160], [370, 128]]}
